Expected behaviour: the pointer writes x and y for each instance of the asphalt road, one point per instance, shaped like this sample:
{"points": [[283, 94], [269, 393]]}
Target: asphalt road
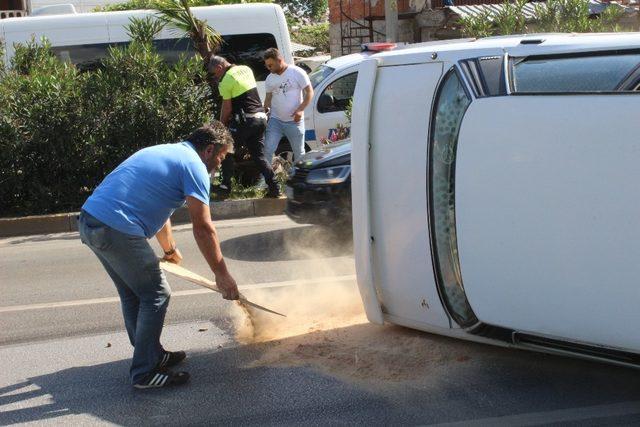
{"points": [[40, 274], [65, 358]]}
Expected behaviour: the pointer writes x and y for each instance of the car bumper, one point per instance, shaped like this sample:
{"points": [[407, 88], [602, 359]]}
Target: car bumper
{"points": [[322, 205]]}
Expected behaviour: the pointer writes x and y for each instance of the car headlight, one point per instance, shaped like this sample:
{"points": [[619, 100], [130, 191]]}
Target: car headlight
{"points": [[333, 175]]}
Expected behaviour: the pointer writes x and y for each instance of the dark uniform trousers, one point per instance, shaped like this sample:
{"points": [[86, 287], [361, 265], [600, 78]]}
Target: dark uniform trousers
{"points": [[249, 134]]}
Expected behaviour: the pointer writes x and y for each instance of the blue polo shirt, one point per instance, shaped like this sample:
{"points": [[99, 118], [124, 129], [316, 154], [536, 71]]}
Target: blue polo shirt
{"points": [[140, 195]]}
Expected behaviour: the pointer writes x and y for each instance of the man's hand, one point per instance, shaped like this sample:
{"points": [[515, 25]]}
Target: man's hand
{"points": [[175, 257], [228, 286], [297, 116]]}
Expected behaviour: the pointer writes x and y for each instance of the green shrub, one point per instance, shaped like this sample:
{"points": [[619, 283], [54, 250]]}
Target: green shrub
{"points": [[149, 4], [305, 10], [316, 35], [510, 19], [551, 16], [62, 131], [573, 16], [477, 25], [144, 30]]}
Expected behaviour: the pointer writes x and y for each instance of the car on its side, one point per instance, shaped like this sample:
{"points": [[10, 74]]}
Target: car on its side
{"points": [[495, 191], [319, 188]]}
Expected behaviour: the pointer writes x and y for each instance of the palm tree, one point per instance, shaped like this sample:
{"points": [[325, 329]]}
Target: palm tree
{"points": [[206, 40]]}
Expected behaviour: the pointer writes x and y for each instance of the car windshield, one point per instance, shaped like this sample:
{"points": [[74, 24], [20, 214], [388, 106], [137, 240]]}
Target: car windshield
{"points": [[319, 74]]}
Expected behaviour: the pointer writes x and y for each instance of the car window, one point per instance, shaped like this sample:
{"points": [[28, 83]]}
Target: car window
{"points": [[336, 96], [451, 103], [319, 74], [593, 73]]}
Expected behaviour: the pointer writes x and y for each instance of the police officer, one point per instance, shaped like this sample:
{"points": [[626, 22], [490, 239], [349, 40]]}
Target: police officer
{"points": [[243, 113]]}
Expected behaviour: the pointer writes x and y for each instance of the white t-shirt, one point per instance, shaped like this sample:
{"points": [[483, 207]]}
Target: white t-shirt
{"points": [[286, 91]]}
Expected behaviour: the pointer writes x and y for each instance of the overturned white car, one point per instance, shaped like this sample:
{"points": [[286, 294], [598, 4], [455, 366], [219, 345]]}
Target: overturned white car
{"points": [[496, 191]]}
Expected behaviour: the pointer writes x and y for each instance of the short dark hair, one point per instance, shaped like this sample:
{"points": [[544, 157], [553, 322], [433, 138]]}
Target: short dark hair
{"points": [[271, 53], [216, 60], [213, 133]]}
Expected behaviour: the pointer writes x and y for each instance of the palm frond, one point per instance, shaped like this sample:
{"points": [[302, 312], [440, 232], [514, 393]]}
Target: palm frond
{"points": [[177, 14]]}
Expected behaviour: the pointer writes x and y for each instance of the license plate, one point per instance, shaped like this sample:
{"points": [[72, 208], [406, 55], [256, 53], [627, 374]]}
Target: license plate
{"points": [[288, 191]]}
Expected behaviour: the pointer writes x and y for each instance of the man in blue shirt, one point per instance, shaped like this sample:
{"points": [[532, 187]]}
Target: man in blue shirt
{"points": [[134, 203]]}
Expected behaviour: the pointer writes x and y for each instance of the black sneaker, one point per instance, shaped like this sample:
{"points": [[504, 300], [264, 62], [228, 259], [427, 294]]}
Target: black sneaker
{"points": [[171, 358], [221, 191], [162, 378], [273, 193]]}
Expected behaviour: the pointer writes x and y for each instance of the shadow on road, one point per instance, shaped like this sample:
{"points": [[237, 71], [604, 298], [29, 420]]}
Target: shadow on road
{"points": [[372, 375], [288, 244], [221, 392]]}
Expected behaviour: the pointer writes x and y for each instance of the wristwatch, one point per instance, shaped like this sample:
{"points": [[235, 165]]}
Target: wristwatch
{"points": [[171, 251]]}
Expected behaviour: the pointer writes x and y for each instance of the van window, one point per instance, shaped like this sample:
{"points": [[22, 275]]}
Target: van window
{"points": [[319, 74], [451, 103], [247, 49], [241, 49], [337, 95], [570, 74], [85, 57], [485, 75]]}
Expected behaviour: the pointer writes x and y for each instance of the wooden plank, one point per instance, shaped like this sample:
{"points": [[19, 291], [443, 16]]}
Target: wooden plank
{"points": [[192, 277]]}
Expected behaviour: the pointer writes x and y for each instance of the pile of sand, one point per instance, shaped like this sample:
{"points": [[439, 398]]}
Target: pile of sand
{"points": [[326, 329], [364, 352]]}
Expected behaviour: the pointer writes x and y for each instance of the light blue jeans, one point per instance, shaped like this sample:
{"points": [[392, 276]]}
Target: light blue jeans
{"points": [[276, 129], [141, 284]]}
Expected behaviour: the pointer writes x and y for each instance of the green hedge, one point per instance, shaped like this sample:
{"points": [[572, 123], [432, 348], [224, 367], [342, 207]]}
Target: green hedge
{"points": [[62, 131], [150, 4], [316, 35]]}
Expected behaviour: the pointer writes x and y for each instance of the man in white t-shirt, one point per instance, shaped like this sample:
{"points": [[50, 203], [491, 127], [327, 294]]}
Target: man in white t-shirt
{"points": [[289, 92]]}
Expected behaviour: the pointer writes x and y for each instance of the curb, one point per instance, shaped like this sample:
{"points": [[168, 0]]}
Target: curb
{"points": [[66, 222]]}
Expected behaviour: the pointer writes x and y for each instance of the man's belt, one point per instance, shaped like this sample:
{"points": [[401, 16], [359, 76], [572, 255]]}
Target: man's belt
{"points": [[260, 115]]}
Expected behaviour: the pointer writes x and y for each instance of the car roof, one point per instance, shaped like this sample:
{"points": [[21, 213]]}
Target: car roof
{"points": [[520, 45], [346, 60]]}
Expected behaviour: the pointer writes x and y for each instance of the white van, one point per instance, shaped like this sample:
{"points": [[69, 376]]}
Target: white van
{"points": [[495, 192], [247, 29], [333, 84]]}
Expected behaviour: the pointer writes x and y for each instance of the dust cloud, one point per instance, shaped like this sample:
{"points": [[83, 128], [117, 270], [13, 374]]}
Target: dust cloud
{"points": [[326, 329], [308, 308]]}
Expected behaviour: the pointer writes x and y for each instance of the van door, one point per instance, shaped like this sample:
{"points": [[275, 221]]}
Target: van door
{"points": [[330, 103], [399, 123], [548, 215]]}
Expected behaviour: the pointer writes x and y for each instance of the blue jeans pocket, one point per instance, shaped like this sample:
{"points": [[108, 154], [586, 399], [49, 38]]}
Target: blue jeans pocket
{"points": [[93, 232]]}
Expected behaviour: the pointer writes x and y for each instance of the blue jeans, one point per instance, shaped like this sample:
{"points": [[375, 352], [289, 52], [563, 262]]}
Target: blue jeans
{"points": [[276, 129], [141, 284]]}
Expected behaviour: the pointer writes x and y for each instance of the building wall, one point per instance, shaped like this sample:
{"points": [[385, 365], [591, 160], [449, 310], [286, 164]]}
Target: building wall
{"points": [[407, 32], [408, 29], [12, 5], [359, 9]]}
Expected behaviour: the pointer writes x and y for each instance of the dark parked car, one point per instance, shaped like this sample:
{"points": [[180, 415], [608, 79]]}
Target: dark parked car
{"points": [[319, 188]]}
